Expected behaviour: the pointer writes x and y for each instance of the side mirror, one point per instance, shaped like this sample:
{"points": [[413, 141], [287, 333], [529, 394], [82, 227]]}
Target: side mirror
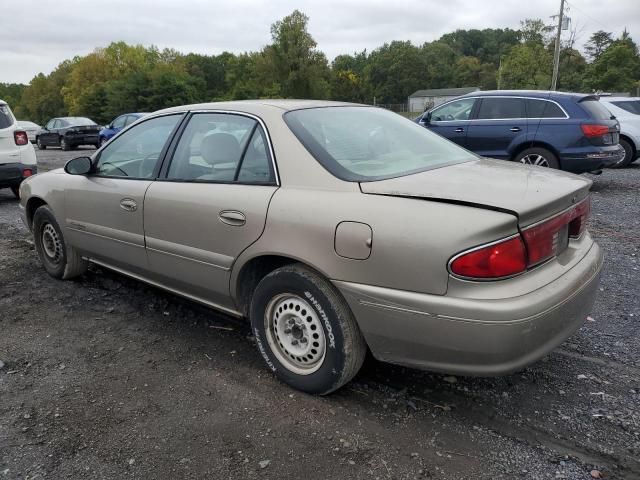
{"points": [[427, 118], [79, 166]]}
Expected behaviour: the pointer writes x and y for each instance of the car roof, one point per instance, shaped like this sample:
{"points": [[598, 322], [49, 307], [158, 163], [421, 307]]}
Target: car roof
{"points": [[619, 99], [2, 102], [544, 94], [257, 105]]}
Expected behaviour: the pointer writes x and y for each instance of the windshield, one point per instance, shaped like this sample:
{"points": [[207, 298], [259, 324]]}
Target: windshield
{"points": [[79, 121], [367, 143], [631, 106], [596, 109], [6, 118]]}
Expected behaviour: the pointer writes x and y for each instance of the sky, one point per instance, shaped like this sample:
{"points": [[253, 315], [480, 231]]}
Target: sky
{"points": [[41, 33]]}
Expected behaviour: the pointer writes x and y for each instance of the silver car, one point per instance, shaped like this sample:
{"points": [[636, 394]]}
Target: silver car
{"points": [[334, 228]]}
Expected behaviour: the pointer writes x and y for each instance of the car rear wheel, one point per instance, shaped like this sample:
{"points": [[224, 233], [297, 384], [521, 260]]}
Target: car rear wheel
{"points": [[41, 146], [540, 157], [305, 330], [16, 191], [59, 259], [629, 155]]}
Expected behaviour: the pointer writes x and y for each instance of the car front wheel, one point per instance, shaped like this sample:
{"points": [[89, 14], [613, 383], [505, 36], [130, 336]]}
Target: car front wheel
{"points": [[59, 259], [305, 330], [64, 145], [41, 146], [540, 157]]}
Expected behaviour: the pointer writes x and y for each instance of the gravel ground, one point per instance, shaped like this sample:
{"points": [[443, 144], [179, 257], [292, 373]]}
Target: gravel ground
{"points": [[105, 377]]}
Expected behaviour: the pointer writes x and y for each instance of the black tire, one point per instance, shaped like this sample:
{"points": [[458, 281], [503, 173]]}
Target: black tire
{"points": [[41, 146], [329, 323], [103, 140], [16, 191], [629, 155], [97, 145], [64, 145], [59, 259], [542, 156]]}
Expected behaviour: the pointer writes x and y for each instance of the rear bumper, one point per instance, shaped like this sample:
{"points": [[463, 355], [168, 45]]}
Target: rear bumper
{"points": [[12, 174], [591, 160], [82, 138], [472, 336]]}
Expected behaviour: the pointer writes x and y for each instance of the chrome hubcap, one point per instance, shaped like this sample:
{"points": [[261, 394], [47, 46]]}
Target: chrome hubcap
{"points": [[535, 159], [295, 334], [51, 244]]}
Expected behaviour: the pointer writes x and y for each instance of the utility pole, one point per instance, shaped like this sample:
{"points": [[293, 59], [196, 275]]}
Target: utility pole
{"points": [[500, 73], [556, 53]]}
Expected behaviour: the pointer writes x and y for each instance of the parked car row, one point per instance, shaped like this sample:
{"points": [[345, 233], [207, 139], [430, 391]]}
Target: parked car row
{"points": [[567, 131]]}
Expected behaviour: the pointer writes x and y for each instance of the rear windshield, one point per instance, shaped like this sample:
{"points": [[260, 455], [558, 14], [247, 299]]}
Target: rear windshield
{"points": [[631, 106], [6, 117], [78, 121], [367, 143], [596, 109]]}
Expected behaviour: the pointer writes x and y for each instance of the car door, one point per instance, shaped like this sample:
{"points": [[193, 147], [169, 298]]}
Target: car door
{"points": [[47, 137], [104, 210], [210, 205], [451, 119], [498, 124]]}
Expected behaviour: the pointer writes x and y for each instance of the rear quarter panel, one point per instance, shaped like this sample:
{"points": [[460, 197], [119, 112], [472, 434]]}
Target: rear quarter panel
{"points": [[412, 239]]}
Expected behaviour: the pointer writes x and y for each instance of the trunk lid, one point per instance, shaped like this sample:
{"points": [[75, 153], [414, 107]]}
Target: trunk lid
{"points": [[531, 193]]}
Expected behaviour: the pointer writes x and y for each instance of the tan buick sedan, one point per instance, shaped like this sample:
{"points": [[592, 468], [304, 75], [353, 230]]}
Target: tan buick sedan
{"points": [[334, 228]]}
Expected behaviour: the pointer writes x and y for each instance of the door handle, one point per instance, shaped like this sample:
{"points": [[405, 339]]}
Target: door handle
{"points": [[128, 204], [515, 129], [459, 130], [232, 217]]}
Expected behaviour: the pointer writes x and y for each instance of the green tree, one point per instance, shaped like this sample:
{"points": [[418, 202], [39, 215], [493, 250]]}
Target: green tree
{"points": [[534, 30], [527, 66], [598, 43], [617, 69], [12, 93], [293, 62]]}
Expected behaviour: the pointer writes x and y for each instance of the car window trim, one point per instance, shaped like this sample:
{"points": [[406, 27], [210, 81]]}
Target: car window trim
{"points": [[474, 110], [161, 157], [474, 107], [163, 176]]}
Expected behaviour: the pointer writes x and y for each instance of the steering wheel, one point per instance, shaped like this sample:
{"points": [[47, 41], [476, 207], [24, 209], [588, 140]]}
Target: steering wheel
{"points": [[124, 174], [143, 171]]}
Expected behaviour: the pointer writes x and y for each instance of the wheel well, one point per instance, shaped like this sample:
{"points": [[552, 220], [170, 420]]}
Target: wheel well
{"points": [[251, 274], [32, 205], [633, 145], [535, 144]]}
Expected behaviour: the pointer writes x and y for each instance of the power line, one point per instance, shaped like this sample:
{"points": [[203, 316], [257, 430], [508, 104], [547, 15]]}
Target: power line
{"points": [[589, 16]]}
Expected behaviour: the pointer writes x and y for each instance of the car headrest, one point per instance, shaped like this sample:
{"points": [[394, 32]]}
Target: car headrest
{"points": [[220, 148]]}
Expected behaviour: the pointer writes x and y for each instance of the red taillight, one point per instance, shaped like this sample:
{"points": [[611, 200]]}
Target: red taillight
{"points": [[533, 246], [591, 131], [27, 172], [20, 137], [494, 261]]}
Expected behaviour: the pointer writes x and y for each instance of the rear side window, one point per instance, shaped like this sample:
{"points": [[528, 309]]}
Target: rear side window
{"points": [[596, 109], [501, 108], [6, 117], [543, 109], [631, 106]]}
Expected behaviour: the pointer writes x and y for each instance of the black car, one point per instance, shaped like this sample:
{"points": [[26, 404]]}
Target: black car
{"points": [[68, 133]]}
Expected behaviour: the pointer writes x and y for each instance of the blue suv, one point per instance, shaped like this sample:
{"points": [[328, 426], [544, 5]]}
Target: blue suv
{"points": [[118, 124], [568, 131]]}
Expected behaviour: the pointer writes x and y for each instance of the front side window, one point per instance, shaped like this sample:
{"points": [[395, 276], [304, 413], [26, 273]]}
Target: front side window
{"points": [[453, 111], [631, 106], [221, 147], [367, 143], [543, 109], [136, 152], [501, 108], [50, 124], [119, 122]]}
